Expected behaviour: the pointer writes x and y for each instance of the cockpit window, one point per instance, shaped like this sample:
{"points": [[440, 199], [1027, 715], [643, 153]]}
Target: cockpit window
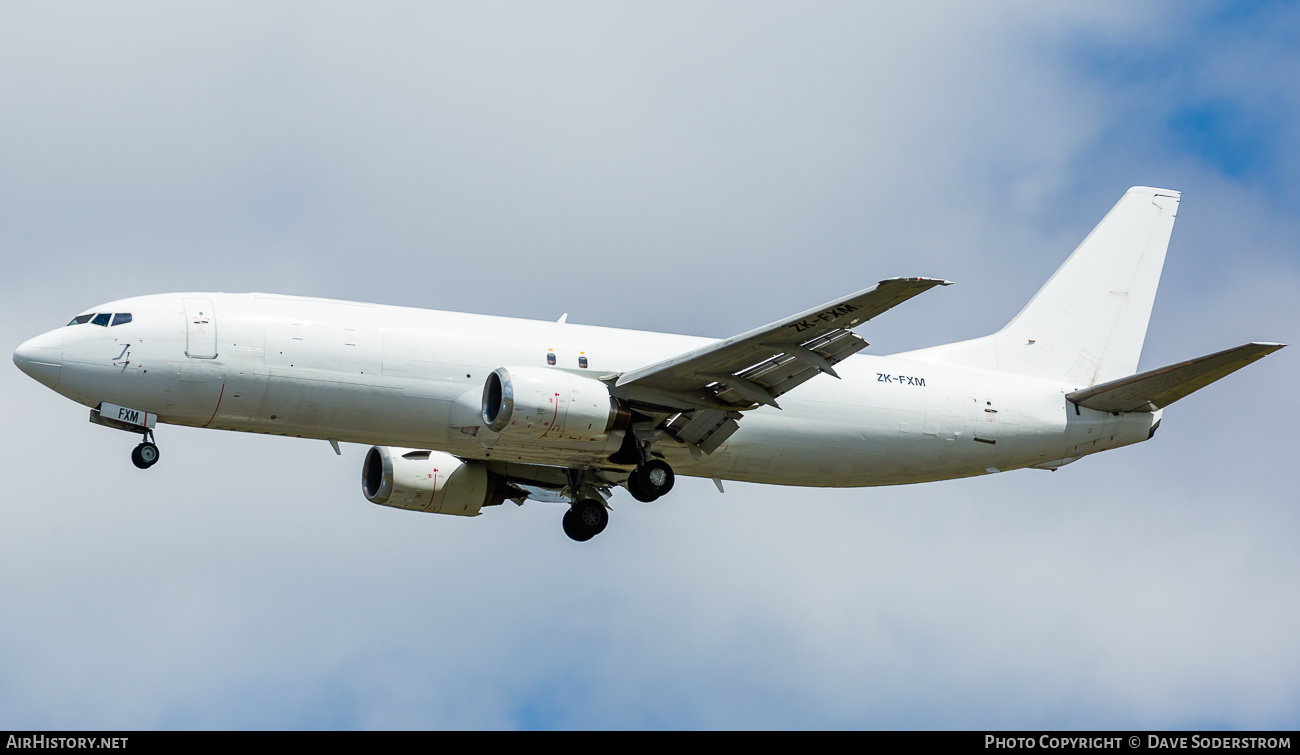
{"points": [[121, 318], [81, 319], [101, 319]]}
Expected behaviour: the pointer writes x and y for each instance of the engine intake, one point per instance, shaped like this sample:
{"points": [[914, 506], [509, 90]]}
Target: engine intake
{"points": [[431, 481], [535, 403]]}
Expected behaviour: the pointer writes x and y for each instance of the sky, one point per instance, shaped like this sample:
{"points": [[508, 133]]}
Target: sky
{"points": [[678, 167]]}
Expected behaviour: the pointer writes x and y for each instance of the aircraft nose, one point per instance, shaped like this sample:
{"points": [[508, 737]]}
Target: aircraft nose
{"points": [[42, 358]]}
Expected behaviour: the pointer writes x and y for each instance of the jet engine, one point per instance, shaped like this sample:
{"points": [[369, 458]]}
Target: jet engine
{"points": [[536, 403], [431, 481]]}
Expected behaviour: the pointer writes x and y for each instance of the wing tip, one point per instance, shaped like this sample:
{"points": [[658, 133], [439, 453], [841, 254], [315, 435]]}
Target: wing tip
{"points": [[1155, 191], [919, 279]]}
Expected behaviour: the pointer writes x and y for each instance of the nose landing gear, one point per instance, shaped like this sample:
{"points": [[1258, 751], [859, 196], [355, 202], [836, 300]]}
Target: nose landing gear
{"points": [[145, 455]]}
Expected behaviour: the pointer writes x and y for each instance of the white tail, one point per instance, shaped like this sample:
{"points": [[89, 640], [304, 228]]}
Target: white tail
{"points": [[1088, 322]]}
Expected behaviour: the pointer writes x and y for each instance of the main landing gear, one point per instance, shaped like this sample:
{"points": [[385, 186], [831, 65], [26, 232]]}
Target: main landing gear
{"points": [[585, 520], [588, 516], [145, 455], [650, 480]]}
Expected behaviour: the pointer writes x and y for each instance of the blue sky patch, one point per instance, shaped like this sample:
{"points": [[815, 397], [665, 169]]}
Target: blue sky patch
{"points": [[1223, 135]]}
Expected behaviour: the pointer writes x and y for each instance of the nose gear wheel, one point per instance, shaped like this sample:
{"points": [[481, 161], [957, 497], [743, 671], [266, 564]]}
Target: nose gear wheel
{"points": [[144, 455]]}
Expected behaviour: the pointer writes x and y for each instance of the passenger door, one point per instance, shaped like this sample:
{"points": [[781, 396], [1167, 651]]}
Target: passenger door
{"points": [[200, 329]]}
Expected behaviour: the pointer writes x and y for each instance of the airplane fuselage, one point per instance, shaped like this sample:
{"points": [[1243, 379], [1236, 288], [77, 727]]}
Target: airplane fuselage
{"points": [[414, 378]]}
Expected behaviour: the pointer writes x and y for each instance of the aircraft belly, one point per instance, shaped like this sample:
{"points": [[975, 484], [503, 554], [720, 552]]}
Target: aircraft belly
{"points": [[855, 433], [245, 393], [831, 444], [325, 405]]}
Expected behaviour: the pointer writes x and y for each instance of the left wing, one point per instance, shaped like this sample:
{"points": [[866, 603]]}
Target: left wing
{"points": [[709, 386]]}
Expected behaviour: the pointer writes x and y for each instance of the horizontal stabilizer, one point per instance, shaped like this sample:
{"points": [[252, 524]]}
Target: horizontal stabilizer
{"points": [[1156, 389]]}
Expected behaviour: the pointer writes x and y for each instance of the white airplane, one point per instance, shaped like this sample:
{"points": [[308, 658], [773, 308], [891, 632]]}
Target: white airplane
{"points": [[466, 411]]}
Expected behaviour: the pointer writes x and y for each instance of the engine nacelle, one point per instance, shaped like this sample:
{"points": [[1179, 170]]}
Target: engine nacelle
{"points": [[431, 481], [536, 403]]}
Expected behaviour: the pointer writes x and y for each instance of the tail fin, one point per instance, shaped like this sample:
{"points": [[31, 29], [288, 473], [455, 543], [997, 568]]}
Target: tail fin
{"points": [[1088, 322]]}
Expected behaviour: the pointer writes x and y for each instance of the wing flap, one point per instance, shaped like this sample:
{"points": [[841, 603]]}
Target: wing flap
{"points": [[707, 429], [706, 389], [1158, 388], [791, 367], [823, 331]]}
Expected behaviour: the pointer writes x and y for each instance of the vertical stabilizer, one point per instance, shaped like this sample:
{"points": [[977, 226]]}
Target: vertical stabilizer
{"points": [[1088, 322]]}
